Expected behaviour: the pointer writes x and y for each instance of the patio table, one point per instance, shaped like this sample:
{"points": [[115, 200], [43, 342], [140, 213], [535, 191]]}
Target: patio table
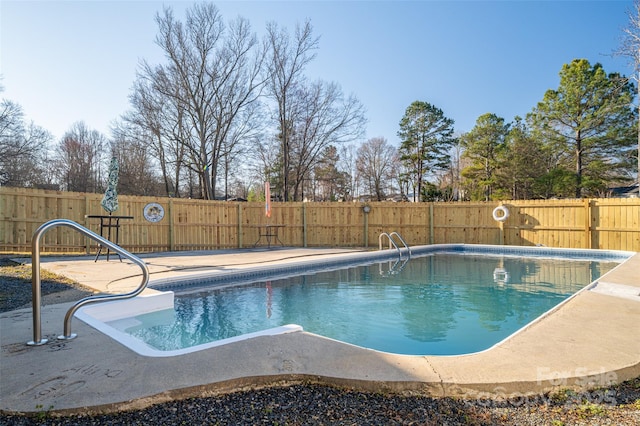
{"points": [[107, 222]]}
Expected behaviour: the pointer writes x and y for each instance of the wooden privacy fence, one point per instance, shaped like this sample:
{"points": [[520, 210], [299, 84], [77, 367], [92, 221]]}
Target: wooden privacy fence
{"points": [[207, 225]]}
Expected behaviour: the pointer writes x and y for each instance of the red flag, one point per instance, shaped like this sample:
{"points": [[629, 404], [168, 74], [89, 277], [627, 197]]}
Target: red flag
{"points": [[267, 199]]}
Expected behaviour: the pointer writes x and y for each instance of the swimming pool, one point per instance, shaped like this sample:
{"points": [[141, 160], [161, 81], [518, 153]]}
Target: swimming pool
{"points": [[446, 300]]}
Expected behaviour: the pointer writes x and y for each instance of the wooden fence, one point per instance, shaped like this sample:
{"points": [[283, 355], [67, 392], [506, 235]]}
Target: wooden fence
{"points": [[206, 225]]}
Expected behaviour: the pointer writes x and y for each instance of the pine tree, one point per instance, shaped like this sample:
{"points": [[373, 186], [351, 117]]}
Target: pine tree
{"points": [[590, 118], [485, 146], [427, 136]]}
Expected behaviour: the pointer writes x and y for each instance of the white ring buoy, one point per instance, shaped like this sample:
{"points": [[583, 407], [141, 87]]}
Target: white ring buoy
{"points": [[500, 275], [503, 217]]}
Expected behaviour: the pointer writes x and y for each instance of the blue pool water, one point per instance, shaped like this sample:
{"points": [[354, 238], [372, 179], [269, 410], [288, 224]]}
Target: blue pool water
{"points": [[439, 304]]}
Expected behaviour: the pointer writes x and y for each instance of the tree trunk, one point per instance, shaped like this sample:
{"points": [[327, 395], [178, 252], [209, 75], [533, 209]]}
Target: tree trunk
{"points": [[578, 165]]}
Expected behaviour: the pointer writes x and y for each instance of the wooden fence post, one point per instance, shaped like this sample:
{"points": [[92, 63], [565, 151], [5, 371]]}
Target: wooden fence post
{"points": [[431, 236], [365, 211], [304, 224], [501, 224], [171, 230], [86, 223], [239, 226], [587, 222]]}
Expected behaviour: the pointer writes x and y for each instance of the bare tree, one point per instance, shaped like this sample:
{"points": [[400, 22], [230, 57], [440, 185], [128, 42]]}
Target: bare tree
{"points": [[630, 47], [210, 82], [375, 165], [79, 159], [138, 170], [245, 133], [347, 166], [11, 125], [330, 184], [266, 165], [22, 148], [451, 179], [160, 121], [323, 118], [285, 68]]}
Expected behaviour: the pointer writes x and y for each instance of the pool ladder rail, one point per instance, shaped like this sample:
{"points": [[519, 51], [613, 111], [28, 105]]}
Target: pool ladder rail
{"points": [[392, 243], [35, 279], [399, 264]]}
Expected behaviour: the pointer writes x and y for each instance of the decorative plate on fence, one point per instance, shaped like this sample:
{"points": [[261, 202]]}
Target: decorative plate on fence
{"points": [[153, 212]]}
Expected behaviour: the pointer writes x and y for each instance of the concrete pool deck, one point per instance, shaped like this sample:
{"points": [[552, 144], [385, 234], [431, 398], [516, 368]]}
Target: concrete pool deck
{"points": [[592, 340]]}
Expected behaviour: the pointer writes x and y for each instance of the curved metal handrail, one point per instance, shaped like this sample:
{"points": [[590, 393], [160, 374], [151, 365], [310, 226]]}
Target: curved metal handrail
{"points": [[394, 233], [393, 243], [35, 278]]}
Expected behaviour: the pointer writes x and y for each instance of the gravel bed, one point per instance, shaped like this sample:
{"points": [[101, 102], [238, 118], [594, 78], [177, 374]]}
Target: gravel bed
{"points": [[15, 287], [308, 404], [311, 404]]}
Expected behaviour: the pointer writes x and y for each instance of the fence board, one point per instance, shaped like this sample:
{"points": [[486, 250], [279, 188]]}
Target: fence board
{"points": [[206, 225]]}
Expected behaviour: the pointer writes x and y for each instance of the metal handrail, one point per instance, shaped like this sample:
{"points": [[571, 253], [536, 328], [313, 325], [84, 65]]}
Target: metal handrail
{"points": [[393, 243], [402, 240], [35, 278]]}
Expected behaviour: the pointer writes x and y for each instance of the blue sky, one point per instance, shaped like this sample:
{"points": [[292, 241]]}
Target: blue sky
{"points": [[66, 61]]}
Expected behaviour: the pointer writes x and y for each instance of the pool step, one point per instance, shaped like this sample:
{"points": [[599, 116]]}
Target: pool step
{"points": [[617, 290]]}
